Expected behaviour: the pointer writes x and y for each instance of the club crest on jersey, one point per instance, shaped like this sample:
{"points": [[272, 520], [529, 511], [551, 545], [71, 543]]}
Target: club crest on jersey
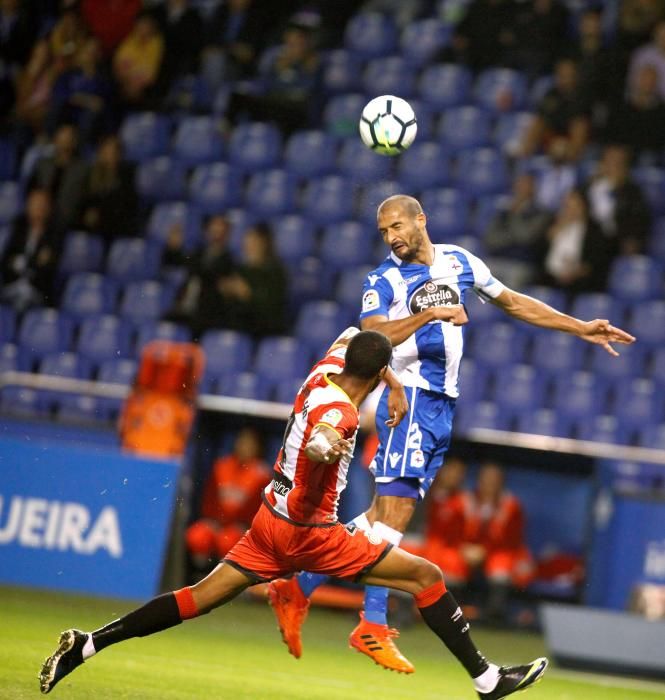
{"points": [[332, 417], [370, 300], [417, 459], [432, 293], [455, 264]]}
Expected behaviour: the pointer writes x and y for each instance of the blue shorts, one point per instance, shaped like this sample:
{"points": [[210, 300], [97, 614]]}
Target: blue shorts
{"points": [[412, 452]]}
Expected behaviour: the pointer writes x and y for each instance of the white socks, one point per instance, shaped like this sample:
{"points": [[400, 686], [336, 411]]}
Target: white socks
{"points": [[486, 682], [88, 648], [387, 533]]}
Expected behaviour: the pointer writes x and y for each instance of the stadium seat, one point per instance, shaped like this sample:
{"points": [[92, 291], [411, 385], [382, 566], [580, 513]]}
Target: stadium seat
{"points": [[592, 305], [161, 179], [473, 382], [500, 90], [65, 364], [543, 421], [328, 200], [651, 180], [287, 390], [630, 363], [310, 279], [553, 297], [244, 385], [359, 165], [510, 129], [481, 415], [348, 291], [372, 195], [163, 330], [342, 112], [347, 244], [580, 395], [656, 368], [7, 324], [5, 234], [603, 428], [557, 352], [370, 34], [103, 338], [482, 313], [342, 72], [421, 41], [198, 140], [190, 93], [82, 410], [482, 171], [145, 301], [390, 75], [499, 344], [465, 127], [81, 252], [653, 436], [319, 323], [656, 242], [118, 371], [486, 210], [426, 117], [226, 351], [214, 187], [426, 164], [638, 403], [271, 192], [166, 215], [539, 89], [447, 212], [636, 278], [131, 259], [294, 237], [21, 402], [520, 388], [145, 135], [279, 358], [88, 293], [310, 153], [43, 331], [8, 357], [444, 85], [255, 146], [10, 202]]}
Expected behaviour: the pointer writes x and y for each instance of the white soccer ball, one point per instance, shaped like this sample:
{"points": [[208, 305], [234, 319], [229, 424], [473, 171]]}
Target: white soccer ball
{"points": [[388, 125]]}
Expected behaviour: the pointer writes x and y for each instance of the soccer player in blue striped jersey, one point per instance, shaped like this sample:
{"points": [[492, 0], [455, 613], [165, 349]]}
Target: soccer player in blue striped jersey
{"points": [[402, 298]]}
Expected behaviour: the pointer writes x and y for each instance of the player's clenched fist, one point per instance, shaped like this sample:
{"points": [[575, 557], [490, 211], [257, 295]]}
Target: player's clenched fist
{"points": [[455, 314]]}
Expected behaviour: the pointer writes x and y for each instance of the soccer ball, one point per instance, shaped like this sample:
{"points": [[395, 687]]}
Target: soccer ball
{"points": [[388, 125]]}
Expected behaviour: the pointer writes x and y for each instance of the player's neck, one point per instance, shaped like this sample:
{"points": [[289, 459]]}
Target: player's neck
{"points": [[425, 254], [356, 389]]}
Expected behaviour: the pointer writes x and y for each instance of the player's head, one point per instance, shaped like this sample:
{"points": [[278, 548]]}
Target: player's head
{"points": [[367, 356], [402, 224], [490, 481]]}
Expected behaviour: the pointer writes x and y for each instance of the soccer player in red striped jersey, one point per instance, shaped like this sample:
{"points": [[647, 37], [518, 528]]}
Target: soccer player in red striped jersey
{"points": [[296, 528]]}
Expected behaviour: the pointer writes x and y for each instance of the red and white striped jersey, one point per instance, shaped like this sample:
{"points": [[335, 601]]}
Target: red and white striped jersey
{"points": [[302, 491]]}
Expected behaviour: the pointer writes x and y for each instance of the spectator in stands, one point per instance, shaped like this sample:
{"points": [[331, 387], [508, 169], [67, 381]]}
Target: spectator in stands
{"points": [[562, 113], [639, 121], [110, 203], [63, 174], [256, 295], [182, 30], [517, 231], [617, 203], [67, 39], [200, 304], [637, 18], [652, 54], [578, 255], [29, 259], [34, 85], [81, 96], [556, 180], [231, 497], [109, 20], [137, 61]]}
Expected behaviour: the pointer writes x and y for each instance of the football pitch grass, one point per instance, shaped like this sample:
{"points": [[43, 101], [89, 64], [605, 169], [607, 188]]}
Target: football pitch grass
{"points": [[236, 652]]}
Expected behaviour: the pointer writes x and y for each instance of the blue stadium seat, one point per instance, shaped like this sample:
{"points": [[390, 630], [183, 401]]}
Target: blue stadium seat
{"points": [[131, 259], [636, 278], [520, 388], [553, 297], [81, 252], [341, 72], [65, 364], [5, 234], [360, 165], [103, 338], [226, 351], [543, 421], [426, 117], [10, 201], [160, 179], [166, 215], [214, 187], [198, 140], [87, 294], [8, 159], [145, 135], [603, 428], [638, 403], [426, 164], [630, 363], [539, 89], [319, 323], [349, 287], [500, 90], [163, 330], [510, 130], [390, 75], [465, 127], [244, 385], [328, 200], [370, 34], [444, 85], [255, 146], [287, 390], [190, 93], [7, 324], [657, 365], [447, 211], [557, 352], [482, 171], [279, 358], [481, 415], [118, 371], [421, 41], [652, 436], [145, 301], [486, 210], [473, 382], [499, 344], [43, 331], [480, 313], [580, 395], [22, 402], [342, 114], [310, 153], [656, 243], [294, 237], [8, 358], [372, 195], [310, 279], [347, 244], [271, 192], [651, 180], [83, 410], [592, 305]]}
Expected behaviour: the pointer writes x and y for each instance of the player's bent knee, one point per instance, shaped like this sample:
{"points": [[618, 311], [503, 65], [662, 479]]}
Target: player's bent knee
{"points": [[427, 574]]}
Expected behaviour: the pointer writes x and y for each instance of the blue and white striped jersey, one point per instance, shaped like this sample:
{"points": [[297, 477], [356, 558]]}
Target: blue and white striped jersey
{"points": [[429, 358]]}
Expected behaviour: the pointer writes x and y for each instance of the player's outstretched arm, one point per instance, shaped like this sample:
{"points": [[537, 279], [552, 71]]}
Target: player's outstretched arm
{"points": [[400, 329], [526, 308]]}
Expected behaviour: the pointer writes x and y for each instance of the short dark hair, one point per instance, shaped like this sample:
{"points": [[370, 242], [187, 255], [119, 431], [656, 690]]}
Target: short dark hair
{"points": [[367, 354]]}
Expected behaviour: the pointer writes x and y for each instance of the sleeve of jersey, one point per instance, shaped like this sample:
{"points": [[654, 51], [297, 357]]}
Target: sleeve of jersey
{"points": [[377, 296], [340, 417], [484, 285]]}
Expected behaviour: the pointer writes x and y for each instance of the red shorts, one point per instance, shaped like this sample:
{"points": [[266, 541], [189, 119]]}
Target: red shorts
{"points": [[274, 547]]}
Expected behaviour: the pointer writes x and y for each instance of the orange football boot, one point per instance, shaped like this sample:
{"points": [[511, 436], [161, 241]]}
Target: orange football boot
{"points": [[376, 641], [291, 607]]}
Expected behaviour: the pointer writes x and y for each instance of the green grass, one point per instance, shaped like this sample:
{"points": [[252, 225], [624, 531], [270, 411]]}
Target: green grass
{"points": [[236, 653]]}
